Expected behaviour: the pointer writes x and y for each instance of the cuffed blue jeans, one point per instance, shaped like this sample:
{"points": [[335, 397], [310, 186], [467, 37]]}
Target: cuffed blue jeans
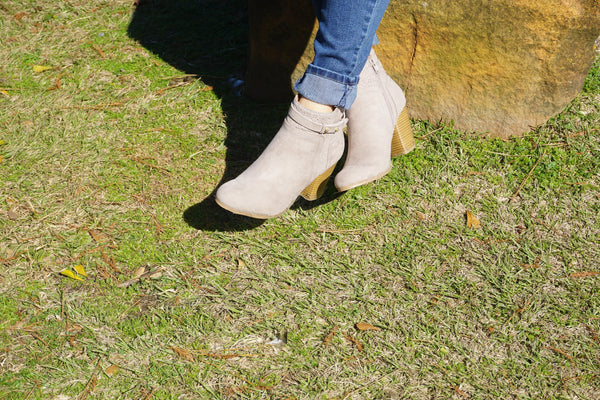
{"points": [[347, 31]]}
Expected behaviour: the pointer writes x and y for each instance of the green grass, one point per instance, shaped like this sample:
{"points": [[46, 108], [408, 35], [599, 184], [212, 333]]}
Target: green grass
{"points": [[110, 171]]}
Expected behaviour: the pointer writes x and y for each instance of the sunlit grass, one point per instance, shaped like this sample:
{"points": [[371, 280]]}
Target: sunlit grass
{"points": [[109, 159]]}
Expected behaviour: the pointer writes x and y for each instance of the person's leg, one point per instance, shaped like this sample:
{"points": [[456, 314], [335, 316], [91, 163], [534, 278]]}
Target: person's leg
{"points": [[347, 31], [303, 154]]}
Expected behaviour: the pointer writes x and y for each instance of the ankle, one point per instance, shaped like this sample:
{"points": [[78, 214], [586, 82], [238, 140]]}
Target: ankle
{"points": [[314, 106]]}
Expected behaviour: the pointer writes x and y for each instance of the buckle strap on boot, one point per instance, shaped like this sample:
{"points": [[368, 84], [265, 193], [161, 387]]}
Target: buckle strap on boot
{"points": [[319, 127]]}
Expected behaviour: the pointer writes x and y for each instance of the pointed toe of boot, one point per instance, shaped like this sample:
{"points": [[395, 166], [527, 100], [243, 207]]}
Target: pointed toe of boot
{"points": [[230, 196], [245, 200]]}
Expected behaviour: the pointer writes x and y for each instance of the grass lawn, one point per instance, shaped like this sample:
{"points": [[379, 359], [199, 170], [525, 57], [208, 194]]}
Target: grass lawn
{"points": [[114, 131]]}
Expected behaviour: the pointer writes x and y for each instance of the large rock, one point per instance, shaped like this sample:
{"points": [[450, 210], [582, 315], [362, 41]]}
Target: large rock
{"points": [[496, 66]]}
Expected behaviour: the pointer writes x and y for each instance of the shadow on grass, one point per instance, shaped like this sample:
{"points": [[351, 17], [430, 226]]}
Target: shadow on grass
{"points": [[209, 38]]}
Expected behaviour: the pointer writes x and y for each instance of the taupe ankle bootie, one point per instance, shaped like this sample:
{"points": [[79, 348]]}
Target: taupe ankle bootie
{"points": [[378, 128], [297, 162]]}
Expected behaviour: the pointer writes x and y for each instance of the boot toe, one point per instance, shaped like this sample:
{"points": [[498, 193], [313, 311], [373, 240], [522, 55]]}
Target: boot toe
{"points": [[235, 198], [251, 201]]}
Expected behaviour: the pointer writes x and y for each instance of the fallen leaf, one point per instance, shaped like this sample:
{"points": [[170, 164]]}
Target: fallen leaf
{"points": [[55, 86], [139, 272], [41, 68], [584, 274], [99, 51], [20, 15], [354, 341], [362, 326], [472, 221], [79, 269], [110, 261], [183, 353], [156, 275], [12, 215], [97, 235], [535, 264], [70, 274], [113, 369], [329, 336]]}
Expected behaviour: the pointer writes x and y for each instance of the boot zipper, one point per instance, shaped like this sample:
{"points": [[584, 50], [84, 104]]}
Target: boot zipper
{"points": [[387, 95]]}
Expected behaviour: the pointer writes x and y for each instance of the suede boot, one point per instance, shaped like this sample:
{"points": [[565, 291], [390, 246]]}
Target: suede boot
{"points": [[378, 128], [297, 162]]}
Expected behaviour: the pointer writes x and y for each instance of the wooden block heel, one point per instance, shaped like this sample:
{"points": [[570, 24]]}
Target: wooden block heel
{"points": [[317, 187], [403, 141]]}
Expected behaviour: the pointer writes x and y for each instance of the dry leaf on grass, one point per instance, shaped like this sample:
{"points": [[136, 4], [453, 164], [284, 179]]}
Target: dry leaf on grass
{"points": [[183, 353], [535, 265], [41, 68], [330, 336], [472, 221], [79, 269], [362, 326], [141, 274], [97, 236], [584, 274], [70, 274], [78, 274], [520, 229], [55, 86], [12, 215], [354, 341], [99, 51], [113, 369]]}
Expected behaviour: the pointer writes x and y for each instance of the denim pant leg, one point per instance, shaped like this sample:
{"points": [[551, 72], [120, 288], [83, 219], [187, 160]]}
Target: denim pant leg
{"points": [[347, 30]]}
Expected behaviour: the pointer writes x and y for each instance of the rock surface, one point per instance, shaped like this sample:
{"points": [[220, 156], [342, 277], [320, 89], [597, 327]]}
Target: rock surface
{"points": [[494, 66]]}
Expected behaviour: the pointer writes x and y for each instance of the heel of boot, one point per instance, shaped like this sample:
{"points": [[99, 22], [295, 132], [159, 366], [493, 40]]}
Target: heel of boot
{"points": [[402, 141], [317, 187]]}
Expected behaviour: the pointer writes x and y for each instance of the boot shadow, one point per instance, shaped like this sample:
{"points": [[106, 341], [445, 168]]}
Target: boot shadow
{"points": [[209, 39]]}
